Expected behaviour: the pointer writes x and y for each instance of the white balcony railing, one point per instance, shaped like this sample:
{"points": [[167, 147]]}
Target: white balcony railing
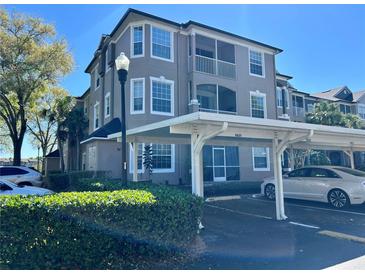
{"points": [[217, 111], [298, 111], [214, 66]]}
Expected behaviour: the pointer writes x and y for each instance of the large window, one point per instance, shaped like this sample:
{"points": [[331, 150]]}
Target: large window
{"points": [[162, 99], [162, 44], [97, 78], [346, 109], [361, 110], [256, 63], [137, 96], [298, 105], [258, 104], [137, 37], [282, 95], [215, 98], [139, 158], [261, 159], [96, 116], [107, 105], [163, 158], [221, 163]]}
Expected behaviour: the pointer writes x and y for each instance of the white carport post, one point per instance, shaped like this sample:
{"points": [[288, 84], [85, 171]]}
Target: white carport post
{"points": [[350, 153], [135, 161], [198, 139]]}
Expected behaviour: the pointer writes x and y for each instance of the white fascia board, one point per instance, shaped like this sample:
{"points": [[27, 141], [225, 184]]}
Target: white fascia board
{"points": [[92, 139]]}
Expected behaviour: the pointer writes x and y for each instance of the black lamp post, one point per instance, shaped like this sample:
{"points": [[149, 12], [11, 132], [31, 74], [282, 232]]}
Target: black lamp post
{"points": [[122, 64]]}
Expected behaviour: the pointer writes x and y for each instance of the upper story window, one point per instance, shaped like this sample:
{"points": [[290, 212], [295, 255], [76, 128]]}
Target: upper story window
{"points": [[162, 44], [214, 98], [96, 116], [137, 47], [107, 67], [256, 63], [345, 108], [261, 159], [97, 78], [215, 57], [298, 105], [282, 94], [258, 104], [107, 105], [137, 95], [162, 96], [361, 110]]}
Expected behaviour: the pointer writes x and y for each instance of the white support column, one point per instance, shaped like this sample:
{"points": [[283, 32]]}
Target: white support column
{"points": [[196, 167], [350, 153], [279, 190], [135, 162]]}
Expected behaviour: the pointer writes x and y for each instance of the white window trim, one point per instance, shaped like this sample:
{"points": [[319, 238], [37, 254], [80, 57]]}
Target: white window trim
{"points": [[106, 115], [96, 104], [132, 41], [131, 160], [163, 80], [287, 98], [358, 109], [132, 111], [259, 94], [263, 63], [267, 160], [167, 170], [171, 43]]}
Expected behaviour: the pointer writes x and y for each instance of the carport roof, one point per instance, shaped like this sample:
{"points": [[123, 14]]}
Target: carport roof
{"points": [[179, 129]]}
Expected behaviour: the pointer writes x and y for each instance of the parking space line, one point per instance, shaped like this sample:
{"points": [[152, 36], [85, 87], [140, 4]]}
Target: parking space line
{"points": [[312, 207], [342, 236], [304, 225], [240, 212], [223, 198]]}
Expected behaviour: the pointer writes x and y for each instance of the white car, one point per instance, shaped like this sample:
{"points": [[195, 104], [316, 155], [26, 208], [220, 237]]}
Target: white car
{"points": [[338, 186], [21, 175], [9, 188]]}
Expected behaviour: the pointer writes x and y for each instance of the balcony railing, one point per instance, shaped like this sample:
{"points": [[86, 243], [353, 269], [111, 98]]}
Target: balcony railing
{"points": [[214, 66], [217, 111], [298, 111]]}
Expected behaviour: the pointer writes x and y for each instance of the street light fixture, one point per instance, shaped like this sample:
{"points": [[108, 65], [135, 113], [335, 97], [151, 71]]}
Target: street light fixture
{"points": [[122, 65]]}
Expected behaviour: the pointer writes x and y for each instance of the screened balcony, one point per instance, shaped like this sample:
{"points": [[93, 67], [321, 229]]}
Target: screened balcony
{"points": [[214, 57]]}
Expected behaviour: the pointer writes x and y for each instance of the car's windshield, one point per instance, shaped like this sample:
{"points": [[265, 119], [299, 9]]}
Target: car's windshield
{"points": [[350, 171]]}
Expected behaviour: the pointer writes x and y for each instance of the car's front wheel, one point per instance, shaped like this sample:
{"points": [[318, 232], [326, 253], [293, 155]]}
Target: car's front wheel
{"points": [[270, 191], [338, 198]]}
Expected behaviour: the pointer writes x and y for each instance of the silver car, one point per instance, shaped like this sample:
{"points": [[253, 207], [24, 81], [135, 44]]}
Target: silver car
{"points": [[20, 175], [338, 186], [9, 188]]}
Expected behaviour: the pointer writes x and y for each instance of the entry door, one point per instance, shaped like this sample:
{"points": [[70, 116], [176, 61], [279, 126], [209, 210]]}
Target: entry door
{"points": [[219, 165]]}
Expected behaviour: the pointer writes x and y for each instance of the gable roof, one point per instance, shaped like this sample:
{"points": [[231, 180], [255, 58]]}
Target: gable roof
{"points": [[358, 95], [53, 154], [113, 126], [330, 94], [179, 25]]}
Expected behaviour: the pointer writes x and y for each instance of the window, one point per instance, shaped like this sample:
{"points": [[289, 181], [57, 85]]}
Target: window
{"points": [[162, 45], [162, 96], [107, 105], [261, 161], [310, 108], [97, 78], [92, 158], [137, 96], [280, 92], [298, 105], [8, 171], [258, 104], [137, 38], [96, 116], [303, 172], [107, 67], [139, 158], [322, 173], [163, 158], [345, 108], [215, 98], [256, 63], [361, 110]]}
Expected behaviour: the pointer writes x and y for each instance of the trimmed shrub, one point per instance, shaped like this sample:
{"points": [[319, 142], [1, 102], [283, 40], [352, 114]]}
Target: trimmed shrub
{"points": [[61, 181], [96, 230]]}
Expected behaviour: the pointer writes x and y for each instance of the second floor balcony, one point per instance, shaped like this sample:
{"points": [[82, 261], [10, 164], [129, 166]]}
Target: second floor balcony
{"points": [[213, 57]]}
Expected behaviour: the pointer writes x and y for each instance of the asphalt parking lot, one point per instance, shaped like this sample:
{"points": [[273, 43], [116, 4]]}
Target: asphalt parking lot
{"points": [[242, 233]]}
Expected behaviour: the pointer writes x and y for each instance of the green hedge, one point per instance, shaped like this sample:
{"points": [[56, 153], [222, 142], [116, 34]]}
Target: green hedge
{"points": [[61, 181], [96, 230]]}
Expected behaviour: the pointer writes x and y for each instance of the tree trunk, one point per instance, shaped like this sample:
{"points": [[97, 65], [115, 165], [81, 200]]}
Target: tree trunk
{"points": [[60, 148], [17, 144], [44, 153]]}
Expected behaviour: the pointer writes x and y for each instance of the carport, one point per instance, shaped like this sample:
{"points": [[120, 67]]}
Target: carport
{"points": [[201, 128]]}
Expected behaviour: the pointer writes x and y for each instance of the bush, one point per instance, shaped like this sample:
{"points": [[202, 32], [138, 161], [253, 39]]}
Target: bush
{"points": [[96, 230], [61, 181]]}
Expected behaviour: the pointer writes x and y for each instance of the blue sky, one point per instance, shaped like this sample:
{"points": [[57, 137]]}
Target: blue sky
{"points": [[324, 45]]}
